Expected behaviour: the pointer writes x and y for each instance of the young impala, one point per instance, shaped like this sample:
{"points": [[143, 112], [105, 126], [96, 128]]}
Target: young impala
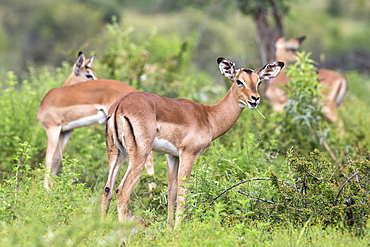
{"points": [[141, 122], [82, 100], [334, 84]]}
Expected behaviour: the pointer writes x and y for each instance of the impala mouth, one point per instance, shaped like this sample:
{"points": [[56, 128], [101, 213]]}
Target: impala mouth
{"points": [[252, 105]]}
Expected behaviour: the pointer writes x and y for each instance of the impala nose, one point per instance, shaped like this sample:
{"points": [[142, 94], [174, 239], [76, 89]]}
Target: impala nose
{"points": [[255, 98]]}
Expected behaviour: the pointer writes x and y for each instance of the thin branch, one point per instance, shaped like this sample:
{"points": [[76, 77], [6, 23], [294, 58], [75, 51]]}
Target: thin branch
{"points": [[342, 187], [328, 149], [245, 181], [326, 146], [309, 173], [278, 16], [255, 197]]}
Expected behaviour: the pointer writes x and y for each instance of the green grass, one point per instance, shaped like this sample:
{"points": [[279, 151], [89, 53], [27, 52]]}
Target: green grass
{"points": [[69, 215]]}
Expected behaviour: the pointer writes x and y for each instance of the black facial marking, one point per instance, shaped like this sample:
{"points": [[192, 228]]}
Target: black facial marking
{"points": [[248, 71]]}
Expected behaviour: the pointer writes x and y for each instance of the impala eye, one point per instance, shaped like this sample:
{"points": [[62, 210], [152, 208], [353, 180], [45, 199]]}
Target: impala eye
{"points": [[88, 76], [239, 82]]}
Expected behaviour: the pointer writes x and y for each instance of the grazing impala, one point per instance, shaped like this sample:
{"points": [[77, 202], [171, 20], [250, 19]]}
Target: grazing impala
{"points": [[334, 85], [76, 104], [141, 122]]}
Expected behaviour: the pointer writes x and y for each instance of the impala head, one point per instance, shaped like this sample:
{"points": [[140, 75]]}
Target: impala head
{"points": [[286, 49], [82, 68], [247, 81]]}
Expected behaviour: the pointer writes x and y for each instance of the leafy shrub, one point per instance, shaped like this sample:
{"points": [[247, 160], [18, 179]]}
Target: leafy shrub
{"points": [[157, 64], [303, 114], [328, 194], [18, 107], [315, 192], [302, 123], [66, 215]]}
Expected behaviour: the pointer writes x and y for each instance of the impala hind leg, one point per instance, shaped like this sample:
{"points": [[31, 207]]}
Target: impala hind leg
{"points": [[134, 170], [149, 167], [115, 160]]}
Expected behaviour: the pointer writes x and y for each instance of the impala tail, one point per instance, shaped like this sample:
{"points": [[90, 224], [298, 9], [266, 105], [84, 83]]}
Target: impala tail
{"points": [[341, 92]]}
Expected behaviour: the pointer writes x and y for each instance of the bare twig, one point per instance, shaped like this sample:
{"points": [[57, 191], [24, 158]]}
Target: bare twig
{"points": [[326, 146], [342, 187], [313, 176], [255, 197], [245, 181], [328, 149]]}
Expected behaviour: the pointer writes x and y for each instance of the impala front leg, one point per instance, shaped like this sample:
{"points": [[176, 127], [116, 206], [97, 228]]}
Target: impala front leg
{"points": [[186, 164], [53, 155], [172, 172], [63, 141]]}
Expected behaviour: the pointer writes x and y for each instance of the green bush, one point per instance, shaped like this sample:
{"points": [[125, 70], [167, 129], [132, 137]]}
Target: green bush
{"points": [[157, 64], [315, 191], [302, 123]]}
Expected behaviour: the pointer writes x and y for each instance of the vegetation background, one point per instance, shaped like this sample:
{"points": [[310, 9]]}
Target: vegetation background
{"points": [[170, 48]]}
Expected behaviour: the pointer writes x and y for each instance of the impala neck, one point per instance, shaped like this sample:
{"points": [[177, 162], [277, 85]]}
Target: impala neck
{"points": [[224, 114], [72, 79]]}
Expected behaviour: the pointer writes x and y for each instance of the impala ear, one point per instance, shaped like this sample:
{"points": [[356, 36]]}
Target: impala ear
{"points": [[270, 70], [227, 68], [89, 63], [301, 39], [79, 63]]}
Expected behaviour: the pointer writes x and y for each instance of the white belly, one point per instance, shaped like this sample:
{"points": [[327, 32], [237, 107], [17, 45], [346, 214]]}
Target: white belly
{"points": [[163, 146], [85, 121]]}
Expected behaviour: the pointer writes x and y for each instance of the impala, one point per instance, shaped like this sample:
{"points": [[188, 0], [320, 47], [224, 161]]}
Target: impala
{"points": [[141, 122], [334, 85], [80, 102]]}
